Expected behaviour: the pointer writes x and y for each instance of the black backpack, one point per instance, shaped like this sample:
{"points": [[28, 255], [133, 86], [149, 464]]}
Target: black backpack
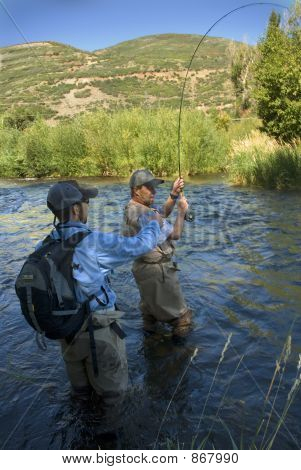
{"points": [[45, 287]]}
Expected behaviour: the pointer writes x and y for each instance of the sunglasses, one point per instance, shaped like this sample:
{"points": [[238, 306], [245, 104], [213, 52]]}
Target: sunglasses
{"points": [[150, 187]]}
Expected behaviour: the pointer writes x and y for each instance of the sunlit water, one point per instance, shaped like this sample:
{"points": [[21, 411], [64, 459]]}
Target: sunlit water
{"points": [[240, 272]]}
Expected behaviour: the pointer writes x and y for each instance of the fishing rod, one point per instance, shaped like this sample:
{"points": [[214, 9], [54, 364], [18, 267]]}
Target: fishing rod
{"points": [[190, 216]]}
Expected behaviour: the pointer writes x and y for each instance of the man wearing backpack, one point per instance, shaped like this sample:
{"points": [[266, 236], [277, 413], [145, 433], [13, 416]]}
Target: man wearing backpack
{"points": [[100, 363]]}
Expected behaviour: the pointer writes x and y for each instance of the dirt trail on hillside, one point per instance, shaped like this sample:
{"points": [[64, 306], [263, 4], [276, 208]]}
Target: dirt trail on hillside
{"points": [[71, 105], [142, 75]]}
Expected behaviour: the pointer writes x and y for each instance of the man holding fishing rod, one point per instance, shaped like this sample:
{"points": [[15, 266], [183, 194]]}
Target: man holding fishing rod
{"points": [[155, 272]]}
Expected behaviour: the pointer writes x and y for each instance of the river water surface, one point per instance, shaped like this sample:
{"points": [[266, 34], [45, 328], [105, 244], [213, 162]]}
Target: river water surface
{"points": [[240, 264]]}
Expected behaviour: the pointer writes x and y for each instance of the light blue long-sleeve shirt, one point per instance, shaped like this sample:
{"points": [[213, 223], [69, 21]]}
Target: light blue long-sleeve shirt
{"points": [[166, 229], [98, 253]]}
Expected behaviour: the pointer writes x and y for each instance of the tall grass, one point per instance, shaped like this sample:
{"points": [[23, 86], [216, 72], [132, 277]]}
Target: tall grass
{"points": [[103, 143], [259, 160], [267, 429], [106, 143]]}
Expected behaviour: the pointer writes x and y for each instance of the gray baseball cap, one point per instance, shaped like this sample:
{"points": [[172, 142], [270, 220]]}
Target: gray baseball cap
{"points": [[66, 193], [141, 177]]}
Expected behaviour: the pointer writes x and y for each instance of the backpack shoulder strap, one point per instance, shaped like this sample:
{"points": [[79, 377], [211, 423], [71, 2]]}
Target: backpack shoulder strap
{"points": [[62, 256], [76, 238], [44, 248], [47, 240]]}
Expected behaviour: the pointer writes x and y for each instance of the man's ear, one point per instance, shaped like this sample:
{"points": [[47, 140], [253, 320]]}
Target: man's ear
{"points": [[75, 210], [136, 191]]}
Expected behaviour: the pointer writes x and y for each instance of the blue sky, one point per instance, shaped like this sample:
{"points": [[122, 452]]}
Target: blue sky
{"points": [[96, 24]]}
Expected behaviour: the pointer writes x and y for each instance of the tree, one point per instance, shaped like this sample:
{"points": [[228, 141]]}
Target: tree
{"points": [[242, 57], [277, 73]]}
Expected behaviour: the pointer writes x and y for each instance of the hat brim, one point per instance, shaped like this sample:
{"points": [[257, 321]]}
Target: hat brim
{"points": [[88, 191], [155, 182]]}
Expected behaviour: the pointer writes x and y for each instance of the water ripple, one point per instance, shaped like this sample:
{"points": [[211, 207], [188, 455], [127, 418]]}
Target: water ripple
{"points": [[240, 272]]}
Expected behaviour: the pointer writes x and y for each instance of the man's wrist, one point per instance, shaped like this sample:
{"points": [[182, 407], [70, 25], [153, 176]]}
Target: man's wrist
{"points": [[174, 197]]}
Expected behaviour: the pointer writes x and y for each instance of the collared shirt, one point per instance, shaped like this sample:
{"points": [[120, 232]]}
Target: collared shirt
{"points": [[98, 253]]}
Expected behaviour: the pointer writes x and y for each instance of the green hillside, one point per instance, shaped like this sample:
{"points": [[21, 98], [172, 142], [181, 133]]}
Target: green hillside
{"points": [[60, 80]]}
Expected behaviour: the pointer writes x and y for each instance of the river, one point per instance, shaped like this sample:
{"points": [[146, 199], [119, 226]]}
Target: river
{"points": [[240, 264]]}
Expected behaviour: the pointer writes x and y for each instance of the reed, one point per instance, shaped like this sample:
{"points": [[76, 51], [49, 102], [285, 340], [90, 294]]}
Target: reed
{"points": [[174, 394], [290, 399], [213, 380], [279, 369], [268, 437]]}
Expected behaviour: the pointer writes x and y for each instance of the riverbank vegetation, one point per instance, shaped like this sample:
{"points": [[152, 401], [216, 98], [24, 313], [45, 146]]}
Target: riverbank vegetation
{"points": [[114, 144], [259, 160], [104, 143]]}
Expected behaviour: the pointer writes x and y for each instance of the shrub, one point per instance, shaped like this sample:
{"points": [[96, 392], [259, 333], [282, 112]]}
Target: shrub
{"points": [[19, 118], [83, 94], [68, 148], [205, 147], [36, 143], [11, 156]]}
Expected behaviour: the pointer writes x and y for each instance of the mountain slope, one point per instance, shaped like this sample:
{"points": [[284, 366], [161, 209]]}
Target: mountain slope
{"points": [[149, 72]]}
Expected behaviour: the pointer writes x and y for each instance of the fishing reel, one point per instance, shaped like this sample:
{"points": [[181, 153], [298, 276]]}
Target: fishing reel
{"points": [[189, 216]]}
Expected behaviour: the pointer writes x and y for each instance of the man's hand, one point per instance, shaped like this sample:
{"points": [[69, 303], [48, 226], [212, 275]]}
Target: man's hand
{"points": [[182, 205], [177, 187]]}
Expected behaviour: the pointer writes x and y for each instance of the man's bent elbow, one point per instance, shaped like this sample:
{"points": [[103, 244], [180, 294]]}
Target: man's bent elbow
{"points": [[174, 236]]}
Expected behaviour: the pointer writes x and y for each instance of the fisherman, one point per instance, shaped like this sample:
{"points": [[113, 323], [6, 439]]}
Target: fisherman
{"points": [[94, 258], [155, 272]]}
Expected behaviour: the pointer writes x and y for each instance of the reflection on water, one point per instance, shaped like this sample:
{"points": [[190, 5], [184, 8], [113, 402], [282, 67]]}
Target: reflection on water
{"points": [[240, 270]]}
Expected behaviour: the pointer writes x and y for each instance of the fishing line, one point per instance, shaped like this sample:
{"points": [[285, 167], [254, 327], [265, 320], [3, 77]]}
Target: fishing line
{"points": [[13, 21], [33, 50], [190, 215]]}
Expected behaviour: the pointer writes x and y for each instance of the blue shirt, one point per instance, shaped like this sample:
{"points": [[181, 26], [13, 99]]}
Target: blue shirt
{"points": [[98, 253], [166, 229]]}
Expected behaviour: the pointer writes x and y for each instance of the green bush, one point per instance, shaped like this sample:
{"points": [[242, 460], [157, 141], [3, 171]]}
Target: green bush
{"points": [[20, 117], [11, 156], [83, 94], [98, 159], [120, 142], [115, 143], [38, 153], [205, 147], [68, 148]]}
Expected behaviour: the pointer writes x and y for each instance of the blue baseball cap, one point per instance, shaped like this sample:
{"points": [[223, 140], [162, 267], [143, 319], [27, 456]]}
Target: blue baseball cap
{"points": [[66, 193]]}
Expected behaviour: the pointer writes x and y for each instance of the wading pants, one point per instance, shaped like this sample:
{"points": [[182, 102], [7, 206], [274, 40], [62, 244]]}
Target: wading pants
{"points": [[161, 296], [111, 383]]}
